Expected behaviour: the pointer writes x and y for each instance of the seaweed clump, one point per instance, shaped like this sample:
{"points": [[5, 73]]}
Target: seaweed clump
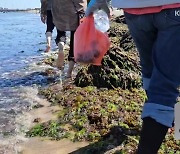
{"points": [[108, 119]]}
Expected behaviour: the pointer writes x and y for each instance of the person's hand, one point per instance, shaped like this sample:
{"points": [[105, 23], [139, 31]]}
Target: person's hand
{"points": [[96, 5], [111, 12], [81, 20], [43, 18], [81, 17]]}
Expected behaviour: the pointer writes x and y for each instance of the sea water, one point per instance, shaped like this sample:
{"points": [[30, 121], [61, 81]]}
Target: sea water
{"points": [[22, 41]]}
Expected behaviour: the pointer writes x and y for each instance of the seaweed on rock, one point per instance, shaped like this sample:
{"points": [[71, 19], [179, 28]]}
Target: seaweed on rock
{"points": [[108, 118]]}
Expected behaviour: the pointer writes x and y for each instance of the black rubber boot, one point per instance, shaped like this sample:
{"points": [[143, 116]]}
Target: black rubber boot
{"points": [[152, 136]]}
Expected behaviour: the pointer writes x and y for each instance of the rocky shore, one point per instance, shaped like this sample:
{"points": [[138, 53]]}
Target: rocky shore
{"points": [[99, 110]]}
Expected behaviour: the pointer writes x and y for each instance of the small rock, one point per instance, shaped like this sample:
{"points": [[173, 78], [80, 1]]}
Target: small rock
{"points": [[37, 120]]}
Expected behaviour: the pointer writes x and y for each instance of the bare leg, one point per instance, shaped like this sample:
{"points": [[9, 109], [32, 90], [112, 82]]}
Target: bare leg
{"points": [[60, 60], [70, 69], [48, 37]]}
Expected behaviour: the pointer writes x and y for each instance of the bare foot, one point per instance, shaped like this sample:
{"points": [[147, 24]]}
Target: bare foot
{"points": [[60, 64], [60, 67], [47, 49], [70, 69]]}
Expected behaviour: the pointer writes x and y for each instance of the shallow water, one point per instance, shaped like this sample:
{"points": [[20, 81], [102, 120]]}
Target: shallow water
{"points": [[21, 42]]}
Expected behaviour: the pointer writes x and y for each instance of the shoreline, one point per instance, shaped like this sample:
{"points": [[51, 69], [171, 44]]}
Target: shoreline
{"points": [[103, 110], [76, 120], [45, 145], [16, 11]]}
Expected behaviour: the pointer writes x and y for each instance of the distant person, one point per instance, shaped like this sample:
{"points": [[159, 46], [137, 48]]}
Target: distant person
{"points": [[46, 18], [66, 16], [155, 28]]}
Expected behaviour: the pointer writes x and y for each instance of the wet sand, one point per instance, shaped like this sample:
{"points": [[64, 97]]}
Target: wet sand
{"points": [[43, 146]]}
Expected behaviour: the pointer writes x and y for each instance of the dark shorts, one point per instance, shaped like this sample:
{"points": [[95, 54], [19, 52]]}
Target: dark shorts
{"points": [[49, 22]]}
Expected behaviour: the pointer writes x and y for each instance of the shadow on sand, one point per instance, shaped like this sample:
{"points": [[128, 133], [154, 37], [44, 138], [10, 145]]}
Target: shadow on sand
{"points": [[116, 137]]}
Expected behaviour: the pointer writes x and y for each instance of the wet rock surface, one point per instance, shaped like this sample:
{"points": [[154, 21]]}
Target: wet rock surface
{"points": [[105, 103]]}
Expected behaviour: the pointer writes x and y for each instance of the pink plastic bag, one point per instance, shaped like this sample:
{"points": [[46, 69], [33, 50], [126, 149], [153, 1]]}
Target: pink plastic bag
{"points": [[90, 45]]}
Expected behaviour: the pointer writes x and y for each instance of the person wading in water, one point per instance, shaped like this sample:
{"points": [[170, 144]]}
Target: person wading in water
{"points": [[66, 17], [46, 17]]}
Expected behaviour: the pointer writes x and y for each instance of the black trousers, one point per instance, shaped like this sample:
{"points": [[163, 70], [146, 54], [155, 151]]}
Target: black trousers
{"points": [[49, 22], [61, 37]]}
